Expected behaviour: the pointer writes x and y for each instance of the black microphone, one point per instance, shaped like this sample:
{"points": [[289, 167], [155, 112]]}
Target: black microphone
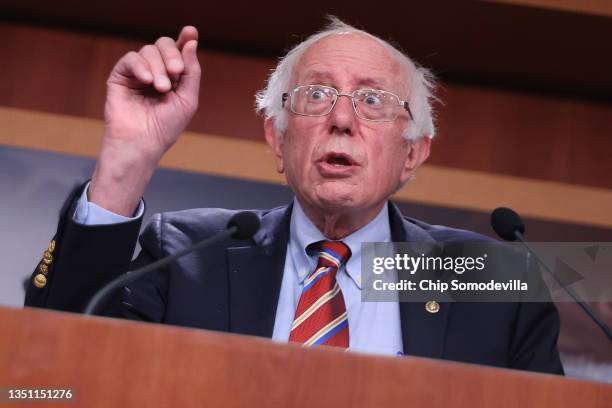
{"points": [[509, 226], [506, 222], [242, 225]]}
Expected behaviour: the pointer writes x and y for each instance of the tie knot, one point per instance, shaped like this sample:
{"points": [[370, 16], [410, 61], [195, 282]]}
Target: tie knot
{"points": [[332, 253]]}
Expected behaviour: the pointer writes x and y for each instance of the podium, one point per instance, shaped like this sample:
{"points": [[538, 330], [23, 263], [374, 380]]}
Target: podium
{"points": [[117, 363]]}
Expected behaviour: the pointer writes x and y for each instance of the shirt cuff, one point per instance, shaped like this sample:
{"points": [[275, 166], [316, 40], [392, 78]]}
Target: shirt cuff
{"points": [[88, 213]]}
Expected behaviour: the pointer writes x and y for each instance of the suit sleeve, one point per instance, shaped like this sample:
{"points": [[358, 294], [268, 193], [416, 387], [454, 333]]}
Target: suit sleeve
{"points": [[537, 326], [80, 260]]}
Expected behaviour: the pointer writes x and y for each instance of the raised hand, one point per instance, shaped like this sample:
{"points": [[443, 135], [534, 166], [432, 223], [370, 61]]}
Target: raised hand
{"points": [[151, 96]]}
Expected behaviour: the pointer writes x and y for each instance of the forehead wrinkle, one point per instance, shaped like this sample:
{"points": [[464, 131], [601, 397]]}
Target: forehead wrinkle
{"points": [[327, 78]]}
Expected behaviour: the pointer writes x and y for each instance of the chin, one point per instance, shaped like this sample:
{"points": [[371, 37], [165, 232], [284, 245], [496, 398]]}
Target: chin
{"points": [[338, 198]]}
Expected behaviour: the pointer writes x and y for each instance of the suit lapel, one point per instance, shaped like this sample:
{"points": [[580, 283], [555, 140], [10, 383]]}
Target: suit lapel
{"points": [[423, 333], [255, 274]]}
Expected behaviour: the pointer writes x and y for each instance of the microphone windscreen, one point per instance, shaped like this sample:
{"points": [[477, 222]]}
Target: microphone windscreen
{"points": [[246, 222], [505, 222]]}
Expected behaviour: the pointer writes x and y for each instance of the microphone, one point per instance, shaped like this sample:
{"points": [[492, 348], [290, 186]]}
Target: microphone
{"points": [[509, 226], [242, 225], [506, 222]]}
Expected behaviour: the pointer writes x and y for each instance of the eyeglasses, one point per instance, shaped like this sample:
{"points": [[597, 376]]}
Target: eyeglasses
{"points": [[369, 104]]}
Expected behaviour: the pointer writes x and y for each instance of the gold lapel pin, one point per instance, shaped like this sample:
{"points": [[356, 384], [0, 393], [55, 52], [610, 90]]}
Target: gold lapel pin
{"points": [[432, 306]]}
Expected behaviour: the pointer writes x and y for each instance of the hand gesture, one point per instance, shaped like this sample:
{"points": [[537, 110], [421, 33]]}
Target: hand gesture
{"points": [[151, 96]]}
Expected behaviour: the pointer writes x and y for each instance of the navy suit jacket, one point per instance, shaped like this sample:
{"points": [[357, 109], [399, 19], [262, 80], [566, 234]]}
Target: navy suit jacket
{"points": [[233, 286]]}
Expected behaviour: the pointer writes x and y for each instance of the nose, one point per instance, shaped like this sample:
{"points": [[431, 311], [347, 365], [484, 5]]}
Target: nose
{"points": [[342, 117]]}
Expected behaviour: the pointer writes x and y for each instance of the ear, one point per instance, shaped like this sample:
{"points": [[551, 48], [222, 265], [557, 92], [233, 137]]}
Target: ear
{"points": [[275, 141], [418, 153]]}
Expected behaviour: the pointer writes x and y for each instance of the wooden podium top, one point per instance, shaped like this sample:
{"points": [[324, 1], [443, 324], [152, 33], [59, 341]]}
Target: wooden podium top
{"points": [[117, 363]]}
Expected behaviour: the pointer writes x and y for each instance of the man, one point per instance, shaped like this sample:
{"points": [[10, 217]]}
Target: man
{"points": [[349, 120]]}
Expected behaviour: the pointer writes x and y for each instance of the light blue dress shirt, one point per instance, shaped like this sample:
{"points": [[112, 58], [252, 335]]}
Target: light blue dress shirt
{"points": [[374, 327]]}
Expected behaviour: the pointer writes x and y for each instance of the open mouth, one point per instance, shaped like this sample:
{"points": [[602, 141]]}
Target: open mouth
{"points": [[338, 159], [337, 165]]}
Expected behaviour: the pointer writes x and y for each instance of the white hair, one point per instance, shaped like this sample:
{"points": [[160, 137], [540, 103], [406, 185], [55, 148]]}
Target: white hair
{"points": [[421, 83]]}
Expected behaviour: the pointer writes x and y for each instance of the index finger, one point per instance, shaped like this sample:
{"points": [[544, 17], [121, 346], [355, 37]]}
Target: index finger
{"points": [[187, 34]]}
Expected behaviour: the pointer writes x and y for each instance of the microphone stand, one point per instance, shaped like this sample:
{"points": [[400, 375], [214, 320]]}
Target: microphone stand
{"points": [[569, 291]]}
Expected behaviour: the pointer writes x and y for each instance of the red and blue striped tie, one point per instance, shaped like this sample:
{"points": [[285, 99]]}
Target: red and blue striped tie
{"points": [[320, 318]]}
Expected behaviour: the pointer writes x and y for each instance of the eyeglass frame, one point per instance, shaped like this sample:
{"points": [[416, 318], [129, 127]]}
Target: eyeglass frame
{"points": [[402, 103]]}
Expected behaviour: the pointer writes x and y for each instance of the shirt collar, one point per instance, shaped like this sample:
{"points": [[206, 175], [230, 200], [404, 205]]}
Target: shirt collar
{"points": [[303, 233]]}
